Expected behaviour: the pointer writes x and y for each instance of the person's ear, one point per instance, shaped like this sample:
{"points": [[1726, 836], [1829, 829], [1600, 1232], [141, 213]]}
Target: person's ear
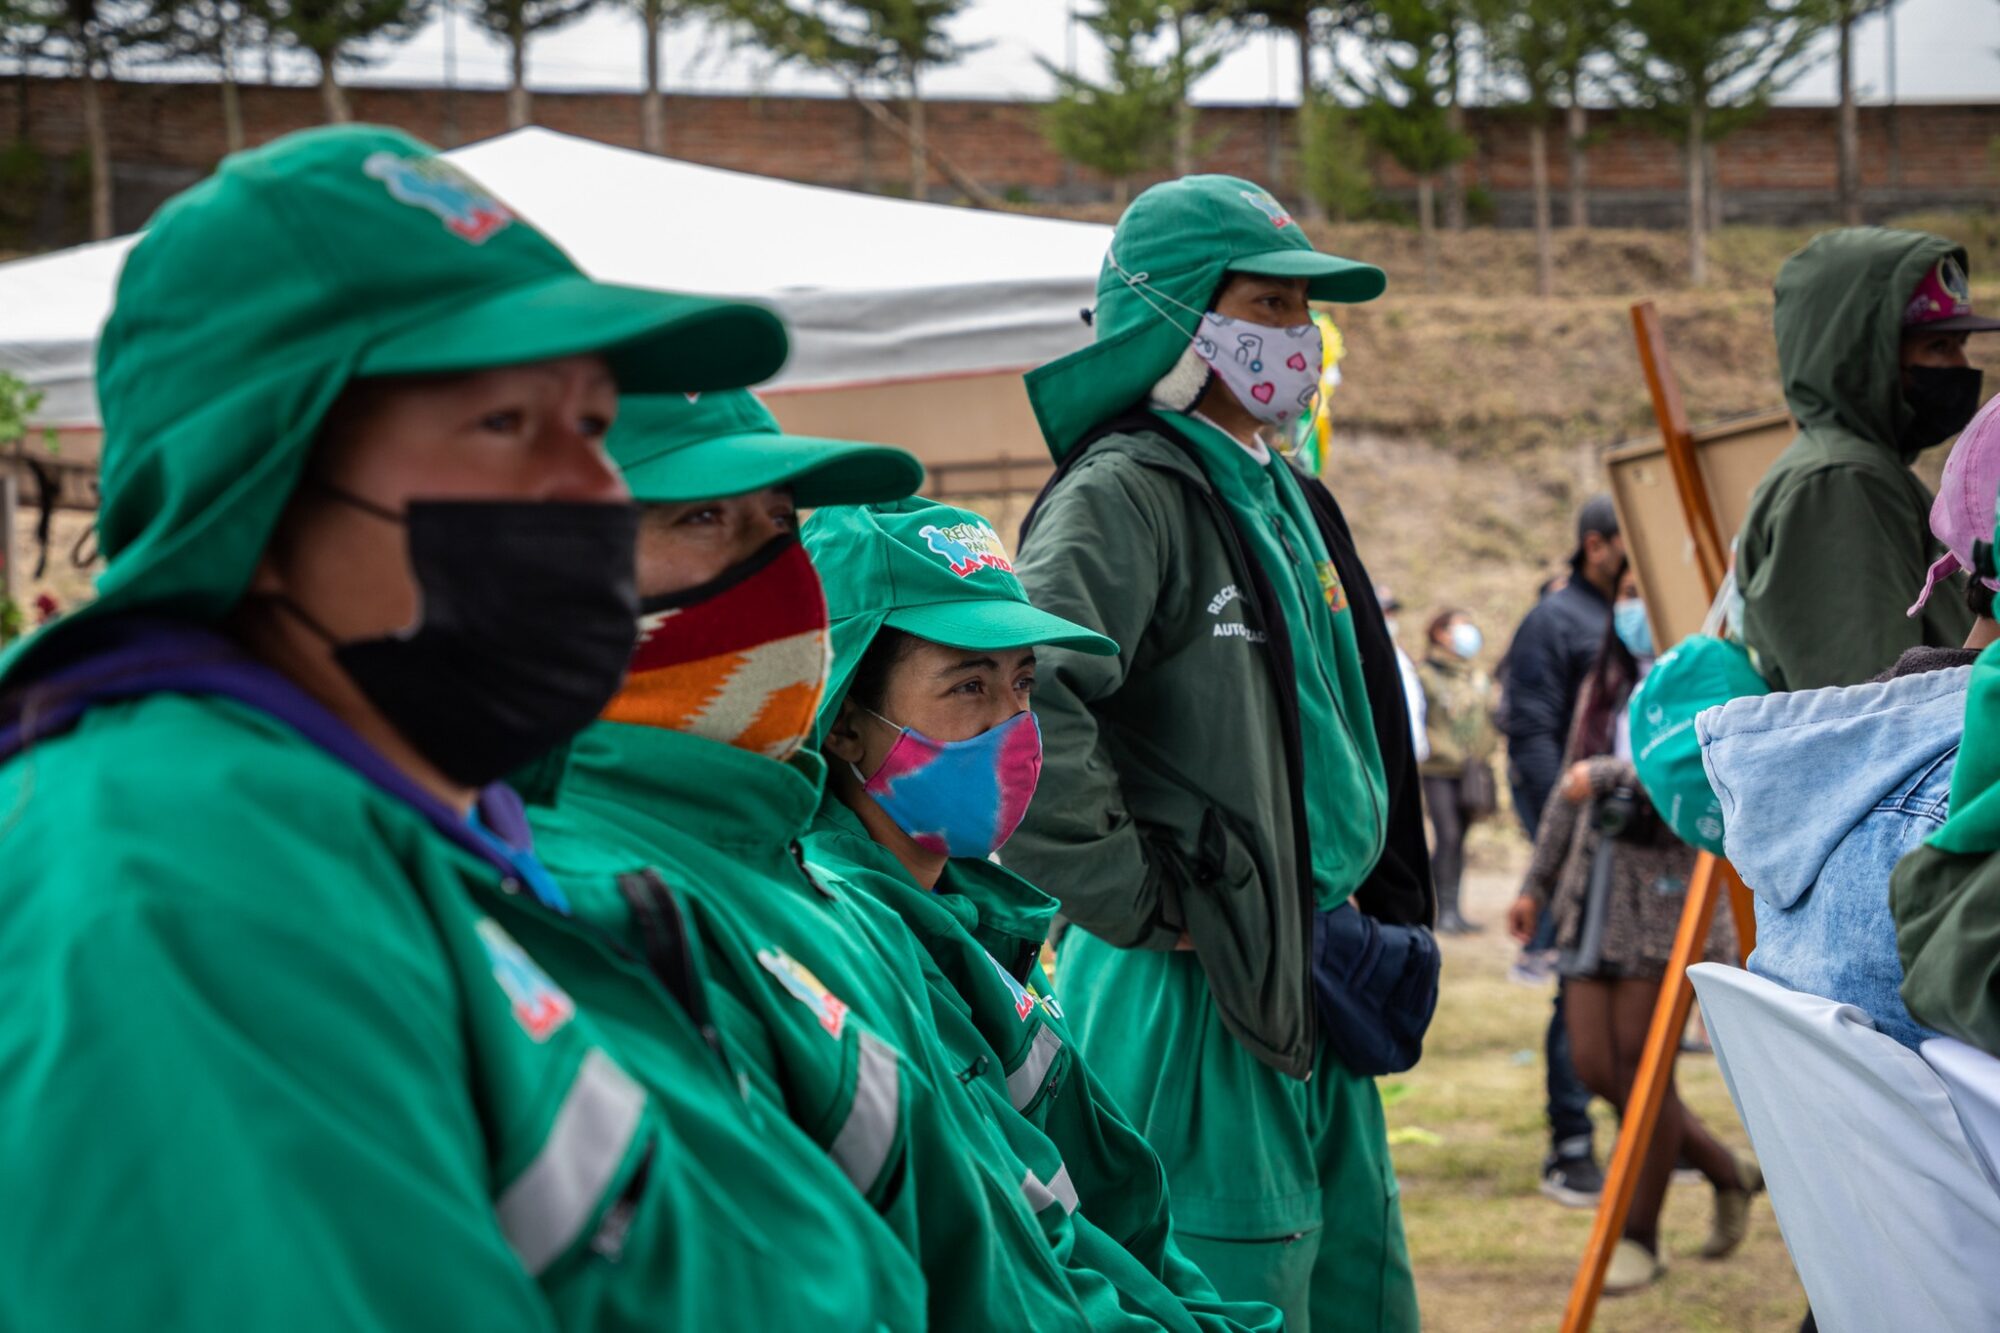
{"points": [[843, 738]]}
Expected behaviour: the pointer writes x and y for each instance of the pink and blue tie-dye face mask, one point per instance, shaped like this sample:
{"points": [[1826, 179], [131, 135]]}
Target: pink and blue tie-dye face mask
{"points": [[959, 798]]}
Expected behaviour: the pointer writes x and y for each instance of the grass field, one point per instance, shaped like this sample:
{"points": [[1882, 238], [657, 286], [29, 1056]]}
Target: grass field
{"points": [[1490, 1252]]}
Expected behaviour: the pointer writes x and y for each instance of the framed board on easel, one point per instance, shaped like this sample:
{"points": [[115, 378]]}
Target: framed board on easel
{"points": [[1680, 503]]}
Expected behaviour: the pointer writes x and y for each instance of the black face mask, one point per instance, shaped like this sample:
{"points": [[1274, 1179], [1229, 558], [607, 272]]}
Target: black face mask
{"points": [[526, 616], [1944, 399]]}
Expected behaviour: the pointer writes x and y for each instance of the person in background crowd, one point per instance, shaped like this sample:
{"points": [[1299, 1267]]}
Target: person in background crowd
{"points": [[688, 797], [1413, 693], [932, 758], [1241, 771], [1545, 666], [1824, 791], [1457, 756], [1871, 327], [284, 1031], [1613, 877]]}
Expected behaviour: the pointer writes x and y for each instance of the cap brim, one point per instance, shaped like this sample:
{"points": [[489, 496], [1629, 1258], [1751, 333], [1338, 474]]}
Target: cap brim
{"points": [[1955, 324], [819, 472], [996, 624], [658, 342], [1331, 278]]}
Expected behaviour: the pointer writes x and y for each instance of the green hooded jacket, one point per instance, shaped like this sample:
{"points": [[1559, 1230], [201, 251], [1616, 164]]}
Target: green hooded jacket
{"points": [[1837, 539], [824, 993]]}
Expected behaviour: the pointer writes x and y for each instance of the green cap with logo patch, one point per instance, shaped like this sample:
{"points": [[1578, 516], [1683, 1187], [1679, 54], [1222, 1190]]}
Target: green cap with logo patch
{"points": [[678, 447], [329, 255], [1168, 258], [932, 570]]}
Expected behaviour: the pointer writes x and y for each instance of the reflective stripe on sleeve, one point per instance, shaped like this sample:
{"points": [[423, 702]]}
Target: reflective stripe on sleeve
{"points": [[1025, 1082], [1057, 1190], [861, 1149], [547, 1207]]}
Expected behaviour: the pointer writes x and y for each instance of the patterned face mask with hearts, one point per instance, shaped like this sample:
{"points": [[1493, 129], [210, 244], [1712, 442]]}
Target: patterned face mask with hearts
{"points": [[1273, 372]]}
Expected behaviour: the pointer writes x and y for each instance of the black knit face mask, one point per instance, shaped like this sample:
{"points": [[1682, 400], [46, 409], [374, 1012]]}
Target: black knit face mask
{"points": [[526, 615]]}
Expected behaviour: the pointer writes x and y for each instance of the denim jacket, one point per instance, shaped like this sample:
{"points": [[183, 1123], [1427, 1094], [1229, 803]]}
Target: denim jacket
{"points": [[1822, 792]]}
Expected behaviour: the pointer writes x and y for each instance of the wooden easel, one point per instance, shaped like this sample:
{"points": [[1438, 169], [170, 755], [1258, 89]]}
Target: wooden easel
{"points": [[1712, 875]]}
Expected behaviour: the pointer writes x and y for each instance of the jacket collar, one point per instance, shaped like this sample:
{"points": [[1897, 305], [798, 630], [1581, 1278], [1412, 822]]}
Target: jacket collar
{"points": [[984, 897], [650, 782]]}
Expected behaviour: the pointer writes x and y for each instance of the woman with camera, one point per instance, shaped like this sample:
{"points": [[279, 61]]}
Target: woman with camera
{"points": [[1615, 878]]}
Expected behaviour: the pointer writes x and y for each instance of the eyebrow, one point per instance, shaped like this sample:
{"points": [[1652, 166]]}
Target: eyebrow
{"points": [[970, 664]]}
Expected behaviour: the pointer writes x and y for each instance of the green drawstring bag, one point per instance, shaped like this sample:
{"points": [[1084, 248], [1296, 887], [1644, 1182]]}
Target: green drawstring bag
{"points": [[1703, 672]]}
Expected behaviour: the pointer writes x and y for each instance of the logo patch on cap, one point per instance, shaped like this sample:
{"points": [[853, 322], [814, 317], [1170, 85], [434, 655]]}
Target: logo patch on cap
{"points": [[540, 1006], [467, 211], [828, 1008], [1262, 201], [967, 547], [1943, 294]]}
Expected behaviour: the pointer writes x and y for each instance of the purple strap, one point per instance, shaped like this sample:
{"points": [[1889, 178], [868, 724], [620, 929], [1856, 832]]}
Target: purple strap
{"points": [[137, 656]]}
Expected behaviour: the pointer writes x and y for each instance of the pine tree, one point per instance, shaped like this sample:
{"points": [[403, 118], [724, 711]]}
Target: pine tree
{"points": [[1701, 68], [333, 31], [1404, 108]]}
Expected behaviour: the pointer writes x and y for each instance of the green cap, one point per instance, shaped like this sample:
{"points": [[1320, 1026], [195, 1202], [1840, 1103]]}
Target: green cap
{"points": [[677, 447], [257, 295], [1702, 673], [928, 569], [1168, 258]]}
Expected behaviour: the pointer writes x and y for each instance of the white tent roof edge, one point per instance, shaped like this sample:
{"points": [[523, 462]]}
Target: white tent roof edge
{"points": [[876, 290]]}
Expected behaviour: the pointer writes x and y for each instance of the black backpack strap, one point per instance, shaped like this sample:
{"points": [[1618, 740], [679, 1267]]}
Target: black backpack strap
{"points": [[1399, 889]]}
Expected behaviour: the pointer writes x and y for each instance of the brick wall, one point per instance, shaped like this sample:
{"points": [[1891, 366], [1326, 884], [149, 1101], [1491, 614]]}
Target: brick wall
{"points": [[1781, 168]]}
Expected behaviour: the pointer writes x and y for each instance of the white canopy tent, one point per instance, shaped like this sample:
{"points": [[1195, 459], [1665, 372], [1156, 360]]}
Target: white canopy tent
{"points": [[910, 322]]}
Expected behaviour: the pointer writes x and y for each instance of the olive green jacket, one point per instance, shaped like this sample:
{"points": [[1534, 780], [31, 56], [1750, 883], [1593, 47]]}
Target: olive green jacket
{"points": [[1837, 540]]}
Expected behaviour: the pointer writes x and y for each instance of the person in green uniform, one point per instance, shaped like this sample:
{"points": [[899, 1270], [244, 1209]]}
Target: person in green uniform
{"points": [[932, 757], [286, 1044], [1240, 772], [697, 782]]}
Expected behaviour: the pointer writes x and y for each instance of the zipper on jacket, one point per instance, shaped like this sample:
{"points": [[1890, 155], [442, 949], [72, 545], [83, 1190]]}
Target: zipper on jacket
{"points": [[663, 937], [609, 1240], [799, 859]]}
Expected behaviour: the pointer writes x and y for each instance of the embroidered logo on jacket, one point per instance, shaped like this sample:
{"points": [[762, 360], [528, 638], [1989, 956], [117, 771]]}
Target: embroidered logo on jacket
{"points": [[1024, 1003], [540, 1006], [806, 988], [967, 547], [468, 212], [1329, 587]]}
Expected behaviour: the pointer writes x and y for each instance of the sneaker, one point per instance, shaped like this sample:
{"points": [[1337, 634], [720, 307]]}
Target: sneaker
{"points": [[1632, 1268], [1451, 923], [1533, 967], [1573, 1182]]}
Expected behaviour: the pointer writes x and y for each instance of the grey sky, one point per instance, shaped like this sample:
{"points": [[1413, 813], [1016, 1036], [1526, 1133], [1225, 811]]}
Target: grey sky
{"points": [[1946, 50]]}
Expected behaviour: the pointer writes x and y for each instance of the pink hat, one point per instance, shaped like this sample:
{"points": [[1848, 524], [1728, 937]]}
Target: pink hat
{"points": [[1942, 303], [1963, 511]]}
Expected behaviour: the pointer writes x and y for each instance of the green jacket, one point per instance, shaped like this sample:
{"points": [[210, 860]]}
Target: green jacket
{"points": [[287, 1056], [824, 994], [981, 933], [1171, 798], [1837, 539], [1457, 720], [1947, 911]]}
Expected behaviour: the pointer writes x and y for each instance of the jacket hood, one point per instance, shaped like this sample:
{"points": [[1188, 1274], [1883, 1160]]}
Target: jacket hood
{"points": [[1872, 738], [1839, 322]]}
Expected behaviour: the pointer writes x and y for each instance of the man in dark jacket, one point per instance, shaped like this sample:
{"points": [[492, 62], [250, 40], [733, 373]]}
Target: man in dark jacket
{"points": [[1871, 326], [1551, 654]]}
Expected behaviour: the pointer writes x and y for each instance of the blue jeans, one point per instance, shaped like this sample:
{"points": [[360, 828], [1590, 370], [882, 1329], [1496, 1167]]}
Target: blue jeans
{"points": [[1568, 1107]]}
